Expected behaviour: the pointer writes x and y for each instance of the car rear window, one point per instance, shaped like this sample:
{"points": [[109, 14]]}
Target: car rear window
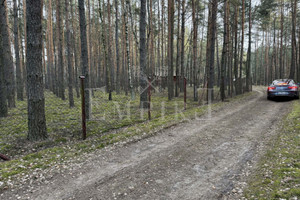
{"points": [[281, 82]]}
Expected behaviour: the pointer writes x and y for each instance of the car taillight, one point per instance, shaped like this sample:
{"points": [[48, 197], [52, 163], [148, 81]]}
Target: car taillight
{"points": [[293, 87], [271, 88]]}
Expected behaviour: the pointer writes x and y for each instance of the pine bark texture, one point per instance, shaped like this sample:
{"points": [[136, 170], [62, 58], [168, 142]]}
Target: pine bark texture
{"points": [[170, 48], [19, 77], [294, 45], [210, 52], [143, 56], [35, 87], [3, 99], [84, 56], [69, 55], [61, 87], [7, 56]]}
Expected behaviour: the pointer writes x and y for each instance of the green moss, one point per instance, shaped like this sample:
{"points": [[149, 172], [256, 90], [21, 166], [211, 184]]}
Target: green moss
{"points": [[33, 156]]}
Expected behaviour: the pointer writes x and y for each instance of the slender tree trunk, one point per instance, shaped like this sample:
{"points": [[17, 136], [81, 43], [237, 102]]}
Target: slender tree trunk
{"points": [[49, 83], [19, 77], [178, 51], [143, 56], [294, 45], [89, 40], [128, 62], [151, 44], [240, 91], [182, 74], [236, 14], [162, 70], [106, 51], [170, 48], [110, 46], [195, 34], [248, 68], [298, 76], [36, 101], [281, 40], [25, 42], [75, 50], [117, 47], [69, 55], [21, 44], [61, 87], [224, 51], [275, 50], [256, 61], [84, 55]]}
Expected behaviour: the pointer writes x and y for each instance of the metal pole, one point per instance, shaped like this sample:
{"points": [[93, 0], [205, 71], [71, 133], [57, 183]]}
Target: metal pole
{"points": [[149, 96], [184, 93], [83, 108]]}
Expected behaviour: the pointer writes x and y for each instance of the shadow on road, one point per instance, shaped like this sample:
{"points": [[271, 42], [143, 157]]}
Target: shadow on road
{"points": [[282, 99]]}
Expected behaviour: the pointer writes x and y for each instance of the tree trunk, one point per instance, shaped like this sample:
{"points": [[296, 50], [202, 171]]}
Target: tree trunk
{"points": [[178, 51], [236, 14], [170, 48], [281, 41], [19, 77], [25, 42], [3, 99], [7, 56], [128, 62], [84, 55], [248, 68], [50, 59], [36, 101], [294, 45], [110, 46], [74, 37], [162, 70], [69, 55], [60, 64], [143, 57], [224, 51], [240, 88], [195, 34], [182, 75], [117, 47], [211, 38], [106, 49]]}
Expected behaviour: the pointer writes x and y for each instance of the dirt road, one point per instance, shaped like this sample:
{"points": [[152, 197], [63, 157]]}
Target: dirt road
{"points": [[195, 160]]}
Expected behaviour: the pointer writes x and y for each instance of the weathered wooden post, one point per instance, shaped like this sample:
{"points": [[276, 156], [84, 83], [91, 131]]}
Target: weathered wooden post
{"points": [[184, 93], [83, 108], [149, 98]]}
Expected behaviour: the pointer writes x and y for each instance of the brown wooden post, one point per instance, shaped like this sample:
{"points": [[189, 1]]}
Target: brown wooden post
{"points": [[184, 93], [149, 96], [83, 108]]}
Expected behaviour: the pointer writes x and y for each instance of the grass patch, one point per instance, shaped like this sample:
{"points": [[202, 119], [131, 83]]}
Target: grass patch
{"points": [[278, 174]]}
